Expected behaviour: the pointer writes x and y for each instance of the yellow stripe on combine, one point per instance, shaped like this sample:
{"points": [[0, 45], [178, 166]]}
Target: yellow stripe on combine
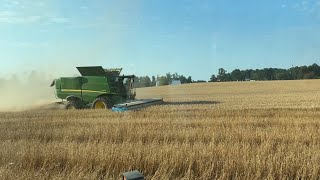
{"points": [[79, 90]]}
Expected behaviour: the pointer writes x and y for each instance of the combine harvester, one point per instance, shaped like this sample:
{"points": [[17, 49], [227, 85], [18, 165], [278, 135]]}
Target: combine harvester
{"points": [[100, 88]]}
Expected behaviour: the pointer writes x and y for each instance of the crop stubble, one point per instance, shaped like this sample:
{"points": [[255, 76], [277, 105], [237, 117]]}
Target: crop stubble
{"points": [[239, 130]]}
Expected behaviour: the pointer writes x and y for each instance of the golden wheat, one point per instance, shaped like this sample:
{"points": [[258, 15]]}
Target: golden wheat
{"points": [[241, 130]]}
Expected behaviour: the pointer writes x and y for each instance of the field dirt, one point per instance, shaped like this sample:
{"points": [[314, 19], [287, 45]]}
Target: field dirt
{"points": [[236, 130]]}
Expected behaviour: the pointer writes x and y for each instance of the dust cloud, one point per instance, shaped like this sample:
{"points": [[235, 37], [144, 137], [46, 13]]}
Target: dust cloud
{"points": [[23, 88], [26, 91]]}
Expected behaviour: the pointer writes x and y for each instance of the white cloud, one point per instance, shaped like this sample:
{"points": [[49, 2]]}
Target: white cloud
{"points": [[22, 44], [29, 12], [59, 20], [12, 17], [84, 7], [311, 8], [305, 6], [7, 14]]}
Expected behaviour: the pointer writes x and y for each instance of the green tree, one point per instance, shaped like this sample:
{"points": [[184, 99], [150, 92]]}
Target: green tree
{"points": [[189, 79], [282, 74], [213, 78], [237, 75], [146, 81], [221, 74], [302, 71], [169, 78], [298, 72], [137, 82], [163, 81], [313, 71], [257, 75], [182, 79], [248, 73], [154, 81], [175, 76]]}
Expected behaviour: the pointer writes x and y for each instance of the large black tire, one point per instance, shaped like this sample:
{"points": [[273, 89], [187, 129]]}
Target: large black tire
{"points": [[73, 105], [102, 103]]}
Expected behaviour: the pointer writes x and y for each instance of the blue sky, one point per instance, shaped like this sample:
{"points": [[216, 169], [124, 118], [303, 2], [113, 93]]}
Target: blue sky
{"points": [[151, 37]]}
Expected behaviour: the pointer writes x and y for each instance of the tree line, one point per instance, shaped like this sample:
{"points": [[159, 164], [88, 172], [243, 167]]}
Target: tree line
{"points": [[293, 73], [146, 81]]}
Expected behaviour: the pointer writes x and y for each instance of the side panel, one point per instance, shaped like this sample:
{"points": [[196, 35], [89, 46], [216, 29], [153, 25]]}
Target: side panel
{"points": [[94, 86], [68, 86], [58, 88], [88, 88]]}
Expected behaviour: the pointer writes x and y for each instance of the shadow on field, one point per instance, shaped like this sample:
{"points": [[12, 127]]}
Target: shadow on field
{"points": [[191, 103]]}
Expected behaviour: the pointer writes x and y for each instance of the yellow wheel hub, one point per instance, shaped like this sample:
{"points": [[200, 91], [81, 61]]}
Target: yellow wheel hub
{"points": [[100, 105]]}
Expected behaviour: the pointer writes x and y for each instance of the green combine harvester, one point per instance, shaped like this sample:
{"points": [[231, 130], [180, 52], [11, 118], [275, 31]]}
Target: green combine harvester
{"points": [[99, 88]]}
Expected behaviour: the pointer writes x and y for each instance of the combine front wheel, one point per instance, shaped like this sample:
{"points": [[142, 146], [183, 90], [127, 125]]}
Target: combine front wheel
{"points": [[102, 103]]}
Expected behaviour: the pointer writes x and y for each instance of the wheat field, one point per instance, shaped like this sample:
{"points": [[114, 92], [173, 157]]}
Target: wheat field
{"points": [[236, 130]]}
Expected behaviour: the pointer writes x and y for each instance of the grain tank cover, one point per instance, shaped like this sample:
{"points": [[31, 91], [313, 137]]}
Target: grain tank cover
{"points": [[91, 71], [98, 71]]}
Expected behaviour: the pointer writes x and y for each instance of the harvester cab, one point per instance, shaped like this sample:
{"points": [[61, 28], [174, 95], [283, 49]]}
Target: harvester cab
{"points": [[114, 77], [99, 88]]}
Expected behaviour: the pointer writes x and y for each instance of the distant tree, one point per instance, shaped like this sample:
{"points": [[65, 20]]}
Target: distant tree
{"points": [[313, 71], [175, 76], [315, 68], [292, 73], [169, 78], [282, 74], [213, 78], [182, 79], [189, 79], [237, 75], [257, 75], [154, 81], [137, 82], [199, 81], [309, 75], [248, 73], [298, 72], [163, 81], [146, 81], [221, 72], [268, 74], [223, 75], [302, 71], [227, 77]]}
